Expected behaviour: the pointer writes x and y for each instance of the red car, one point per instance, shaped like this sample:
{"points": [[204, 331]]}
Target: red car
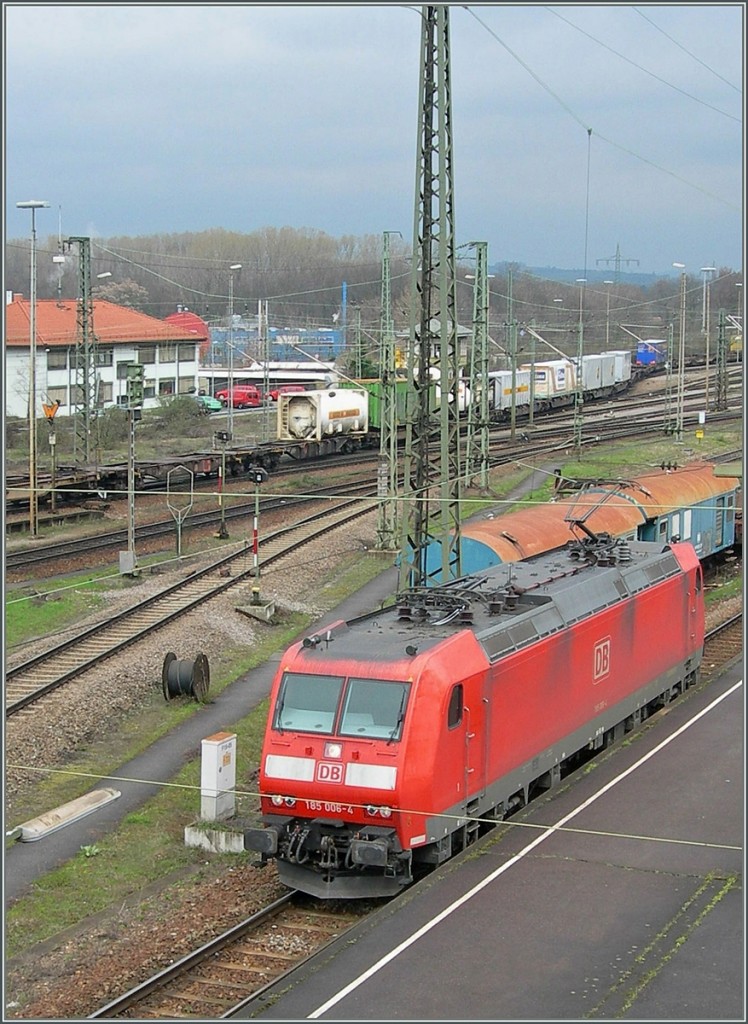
{"points": [[242, 396], [283, 389]]}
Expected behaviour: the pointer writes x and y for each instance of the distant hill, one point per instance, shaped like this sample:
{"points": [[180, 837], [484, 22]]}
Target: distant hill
{"points": [[570, 276]]}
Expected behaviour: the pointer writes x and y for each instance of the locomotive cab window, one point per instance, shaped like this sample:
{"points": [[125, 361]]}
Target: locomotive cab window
{"points": [[374, 708], [307, 703], [454, 712]]}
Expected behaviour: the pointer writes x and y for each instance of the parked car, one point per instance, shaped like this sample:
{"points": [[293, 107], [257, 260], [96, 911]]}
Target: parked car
{"points": [[242, 396], [283, 389], [208, 403]]}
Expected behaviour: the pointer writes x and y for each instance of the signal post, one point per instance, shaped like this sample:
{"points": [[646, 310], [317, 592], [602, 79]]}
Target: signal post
{"points": [[128, 562]]}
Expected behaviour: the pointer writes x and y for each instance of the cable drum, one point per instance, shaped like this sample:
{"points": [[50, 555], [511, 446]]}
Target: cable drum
{"points": [[185, 678]]}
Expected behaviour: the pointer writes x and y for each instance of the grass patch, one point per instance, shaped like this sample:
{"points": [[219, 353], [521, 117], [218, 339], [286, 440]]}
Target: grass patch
{"points": [[45, 608], [628, 459], [728, 584]]}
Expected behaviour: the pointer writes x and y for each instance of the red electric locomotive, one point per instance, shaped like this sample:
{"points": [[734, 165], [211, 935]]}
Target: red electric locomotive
{"points": [[394, 739]]}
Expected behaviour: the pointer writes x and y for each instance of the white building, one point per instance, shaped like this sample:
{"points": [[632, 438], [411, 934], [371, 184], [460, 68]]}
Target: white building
{"points": [[168, 351]]}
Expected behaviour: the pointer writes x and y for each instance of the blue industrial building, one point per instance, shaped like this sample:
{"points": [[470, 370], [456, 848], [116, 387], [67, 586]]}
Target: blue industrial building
{"points": [[284, 344]]}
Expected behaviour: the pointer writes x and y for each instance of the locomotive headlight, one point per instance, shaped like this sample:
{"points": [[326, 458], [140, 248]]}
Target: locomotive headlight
{"points": [[278, 801], [333, 749], [386, 812]]}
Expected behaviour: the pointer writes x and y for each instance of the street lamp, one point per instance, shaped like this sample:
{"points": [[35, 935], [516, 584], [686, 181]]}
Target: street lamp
{"points": [[607, 317], [706, 296], [578, 399], [232, 268], [739, 285], [681, 355], [33, 205]]}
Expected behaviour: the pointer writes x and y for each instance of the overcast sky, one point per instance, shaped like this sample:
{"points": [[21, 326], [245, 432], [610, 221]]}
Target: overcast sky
{"points": [[136, 119]]}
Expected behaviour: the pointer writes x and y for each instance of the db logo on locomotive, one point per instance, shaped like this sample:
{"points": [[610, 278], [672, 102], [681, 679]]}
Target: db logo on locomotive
{"points": [[602, 659], [329, 771]]}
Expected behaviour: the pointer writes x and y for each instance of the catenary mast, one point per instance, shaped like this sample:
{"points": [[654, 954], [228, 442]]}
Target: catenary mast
{"points": [[387, 521], [432, 483], [85, 354]]}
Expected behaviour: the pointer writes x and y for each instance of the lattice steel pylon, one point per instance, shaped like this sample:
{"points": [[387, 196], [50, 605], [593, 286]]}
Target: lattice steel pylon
{"points": [[433, 358], [476, 451], [85, 355], [721, 383], [387, 514], [617, 260]]}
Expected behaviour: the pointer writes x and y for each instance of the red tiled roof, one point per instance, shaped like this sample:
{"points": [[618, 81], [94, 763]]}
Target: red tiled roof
{"points": [[190, 322], [57, 324]]}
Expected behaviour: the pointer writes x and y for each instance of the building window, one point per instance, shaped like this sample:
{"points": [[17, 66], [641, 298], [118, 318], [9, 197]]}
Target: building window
{"points": [[146, 354], [149, 388], [167, 353], [57, 395], [186, 384], [104, 357], [57, 359], [187, 353], [166, 386], [104, 393], [122, 371]]}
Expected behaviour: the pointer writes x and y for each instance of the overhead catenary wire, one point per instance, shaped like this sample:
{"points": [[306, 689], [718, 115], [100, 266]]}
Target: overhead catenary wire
{"points": [[646, 71], [598, 134], [683, 48]]}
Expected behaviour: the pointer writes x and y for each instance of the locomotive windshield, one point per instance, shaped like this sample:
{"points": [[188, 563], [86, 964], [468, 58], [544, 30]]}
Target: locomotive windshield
{"points": [[370, 707], [374, 707], [308, 703]]}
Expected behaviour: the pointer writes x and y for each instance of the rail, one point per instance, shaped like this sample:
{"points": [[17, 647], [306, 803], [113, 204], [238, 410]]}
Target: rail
{"points": [[38, 676]]}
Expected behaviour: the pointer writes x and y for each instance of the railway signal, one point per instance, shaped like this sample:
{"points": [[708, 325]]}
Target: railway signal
{"points": [[135, 385], [50, 410], [222, 437], [259, 475], [128, 562]]}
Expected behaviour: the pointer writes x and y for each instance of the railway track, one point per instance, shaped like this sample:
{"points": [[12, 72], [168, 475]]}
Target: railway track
{"points": [[594, 411], [27, 683], [543, 443], [721, 645], [15, 561], [234, 968]]}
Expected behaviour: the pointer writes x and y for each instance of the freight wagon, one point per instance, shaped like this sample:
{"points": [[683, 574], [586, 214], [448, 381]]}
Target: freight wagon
{"points": [[690, 504]]}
